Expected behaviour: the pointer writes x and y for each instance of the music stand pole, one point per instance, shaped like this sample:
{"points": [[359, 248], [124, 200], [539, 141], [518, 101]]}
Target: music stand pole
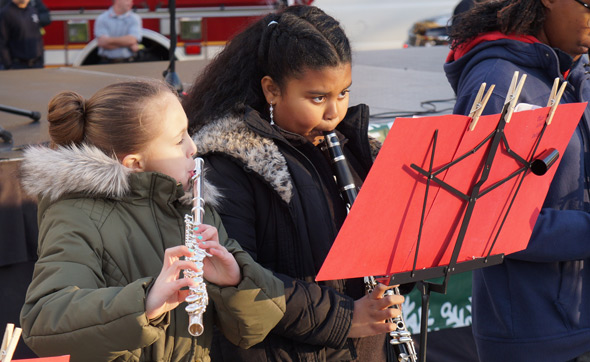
{"points": [[170, 75], [425, 294]]}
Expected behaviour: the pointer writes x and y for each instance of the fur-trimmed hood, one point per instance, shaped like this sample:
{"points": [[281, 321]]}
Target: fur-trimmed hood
{"points": [[80, 169], [231, 135]]}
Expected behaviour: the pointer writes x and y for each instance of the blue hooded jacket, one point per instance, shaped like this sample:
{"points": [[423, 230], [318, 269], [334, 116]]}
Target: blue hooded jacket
{"points": [[535, 306]]}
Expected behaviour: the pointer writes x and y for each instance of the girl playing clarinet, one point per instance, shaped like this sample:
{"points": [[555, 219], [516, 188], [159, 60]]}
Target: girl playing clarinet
{"points": [[258, 113]]}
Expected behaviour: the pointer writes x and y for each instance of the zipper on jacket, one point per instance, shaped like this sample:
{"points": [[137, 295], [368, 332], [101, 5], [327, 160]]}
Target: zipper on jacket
{"points": [[315, 173], [585, 133], [317, 178], [193, 350]]}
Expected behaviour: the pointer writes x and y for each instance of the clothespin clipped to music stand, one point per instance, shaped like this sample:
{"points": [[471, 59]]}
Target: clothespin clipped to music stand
{"points": [[479, 104], [9, 341], [513, 94], [554, 99]]}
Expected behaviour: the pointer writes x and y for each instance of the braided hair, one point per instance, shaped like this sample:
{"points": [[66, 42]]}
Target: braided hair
{"points": [[522, 17], [281, 45]]}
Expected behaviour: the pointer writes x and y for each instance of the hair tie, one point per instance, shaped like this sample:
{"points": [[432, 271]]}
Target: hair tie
{"points": [[272, 22]]}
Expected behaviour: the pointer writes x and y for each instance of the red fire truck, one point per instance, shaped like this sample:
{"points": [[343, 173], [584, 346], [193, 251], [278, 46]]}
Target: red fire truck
{"points": [[202, 27]]}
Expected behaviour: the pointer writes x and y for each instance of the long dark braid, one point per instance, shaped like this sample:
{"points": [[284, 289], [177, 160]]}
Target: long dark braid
{"points": [[523, 17], [303, 37]]}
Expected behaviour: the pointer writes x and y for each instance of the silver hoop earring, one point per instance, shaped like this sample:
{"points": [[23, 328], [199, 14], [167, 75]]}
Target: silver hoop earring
{"points": [[271, 109]]}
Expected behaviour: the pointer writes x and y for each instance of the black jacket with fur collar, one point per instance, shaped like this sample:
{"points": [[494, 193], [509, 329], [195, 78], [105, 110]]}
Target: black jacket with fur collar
{"points": [[280, 201]]}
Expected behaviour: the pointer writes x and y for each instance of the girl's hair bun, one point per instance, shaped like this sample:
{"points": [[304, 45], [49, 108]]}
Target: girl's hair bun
{"points": [[67, 117]]}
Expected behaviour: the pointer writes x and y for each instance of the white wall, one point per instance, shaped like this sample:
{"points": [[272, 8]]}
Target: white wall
{"points": [[382, 24]]}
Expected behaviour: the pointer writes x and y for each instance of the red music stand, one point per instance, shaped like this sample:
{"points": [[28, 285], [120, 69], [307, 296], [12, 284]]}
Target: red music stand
{"points": [[442, 199]]}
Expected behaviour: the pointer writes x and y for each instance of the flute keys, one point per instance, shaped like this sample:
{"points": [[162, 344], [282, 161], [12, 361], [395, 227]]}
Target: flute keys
{"points": [[193, 308], [192, 298]]}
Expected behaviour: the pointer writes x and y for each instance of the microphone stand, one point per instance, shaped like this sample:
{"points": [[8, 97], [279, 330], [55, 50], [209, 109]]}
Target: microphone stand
{"points": [[34, 115], [170, 75]]}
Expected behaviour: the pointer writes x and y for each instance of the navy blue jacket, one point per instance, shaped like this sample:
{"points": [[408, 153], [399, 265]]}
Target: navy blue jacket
{"points": [[536, 305]]}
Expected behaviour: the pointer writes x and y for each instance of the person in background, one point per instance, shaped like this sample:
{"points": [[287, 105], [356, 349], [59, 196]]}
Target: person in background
{"points": [[535, 306], [118, 32], [21, 42], [463, 6], [258, 113], [42, 11], [107, 284]]}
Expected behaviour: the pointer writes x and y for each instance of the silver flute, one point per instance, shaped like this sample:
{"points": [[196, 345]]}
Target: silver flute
{"points": [[401, 339], [197, 299]]}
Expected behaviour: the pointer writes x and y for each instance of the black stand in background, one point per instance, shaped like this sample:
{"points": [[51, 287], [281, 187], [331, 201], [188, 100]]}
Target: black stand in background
{"points": [[538, 166], [170, 75], [7, 136]]}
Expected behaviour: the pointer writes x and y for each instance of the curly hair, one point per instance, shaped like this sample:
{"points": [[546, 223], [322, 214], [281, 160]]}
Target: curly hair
{"points": [[280, 45], [523, 17]]}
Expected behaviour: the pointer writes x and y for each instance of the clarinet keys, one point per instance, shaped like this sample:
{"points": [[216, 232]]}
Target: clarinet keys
{"points": [[401, 339]]}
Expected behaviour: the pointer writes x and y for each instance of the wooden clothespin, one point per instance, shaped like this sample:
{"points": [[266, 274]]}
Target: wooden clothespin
{"points": [[479, 104], [554, 99], [513, 94], [9, 341]]}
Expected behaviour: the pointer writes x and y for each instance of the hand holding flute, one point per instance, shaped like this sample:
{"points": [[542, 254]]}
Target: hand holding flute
{"points": [[204, 258], [167, 292]]}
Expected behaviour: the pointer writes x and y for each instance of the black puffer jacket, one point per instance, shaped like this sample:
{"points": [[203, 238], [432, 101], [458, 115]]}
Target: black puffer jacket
{"points": [[280, 197]]}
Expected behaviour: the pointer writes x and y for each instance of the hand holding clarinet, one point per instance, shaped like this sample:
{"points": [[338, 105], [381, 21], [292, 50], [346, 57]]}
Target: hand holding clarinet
{"points": [[380, 310], [373, 312]]}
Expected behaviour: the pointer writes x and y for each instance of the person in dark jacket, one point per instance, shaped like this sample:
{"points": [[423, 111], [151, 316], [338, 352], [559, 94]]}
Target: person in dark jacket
{"points": [[42, 11], [535, 306], [258, 113], [107, 285], [463, 6], [21, 42]]}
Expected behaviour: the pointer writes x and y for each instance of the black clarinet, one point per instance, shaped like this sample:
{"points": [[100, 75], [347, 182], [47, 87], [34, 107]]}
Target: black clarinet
{"points": [[340, 168], [401, 339]]}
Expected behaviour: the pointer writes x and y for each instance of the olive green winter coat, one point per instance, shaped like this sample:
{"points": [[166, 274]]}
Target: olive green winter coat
{"points": [[102, 235]]}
